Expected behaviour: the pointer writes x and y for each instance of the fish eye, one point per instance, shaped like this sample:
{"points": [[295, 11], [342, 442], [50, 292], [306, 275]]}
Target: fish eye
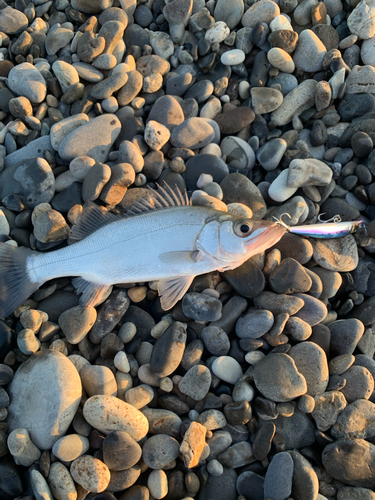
{"points": [[242, 229]]}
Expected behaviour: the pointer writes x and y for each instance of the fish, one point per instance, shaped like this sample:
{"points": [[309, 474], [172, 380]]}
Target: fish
{"points": [[161, 238]]}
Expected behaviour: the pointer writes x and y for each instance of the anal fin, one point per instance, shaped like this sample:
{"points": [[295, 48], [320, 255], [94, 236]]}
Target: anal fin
{"points": [[92, 293], [172, 290]]}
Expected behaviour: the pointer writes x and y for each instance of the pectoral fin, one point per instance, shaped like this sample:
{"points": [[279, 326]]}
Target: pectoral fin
{"points": [[92, 293], [181, 258], [172, 290]]}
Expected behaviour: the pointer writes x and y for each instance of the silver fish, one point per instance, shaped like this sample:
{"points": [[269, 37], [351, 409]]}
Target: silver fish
{"points": [[162, 238]]}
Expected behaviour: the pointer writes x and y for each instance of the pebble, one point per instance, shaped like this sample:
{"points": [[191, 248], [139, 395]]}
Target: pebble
{"points": [[25, 80], [277, 378], [299, 99], [90, 473], [70, 447], [311, 362], [227, 368], [338, 458], [61, 483], [196, 382], [345, 335], [159, 450], [201, 307], [336, 254], [278, 478], [193, 133], [254, 324], [22, 448], [108, 413], [37, 377], [88, 139]]}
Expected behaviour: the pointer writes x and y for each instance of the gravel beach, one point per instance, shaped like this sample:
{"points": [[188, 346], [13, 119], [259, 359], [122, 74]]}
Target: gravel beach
{"points": [[259, 383]]}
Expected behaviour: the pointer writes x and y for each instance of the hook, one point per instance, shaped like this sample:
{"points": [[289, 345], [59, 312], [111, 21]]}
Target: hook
{"points": [[335, 218], [280, 221]]}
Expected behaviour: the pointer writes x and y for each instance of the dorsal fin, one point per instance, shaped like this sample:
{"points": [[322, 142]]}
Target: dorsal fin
{"points": [[92, 218], [95, 217], [164, 197]]}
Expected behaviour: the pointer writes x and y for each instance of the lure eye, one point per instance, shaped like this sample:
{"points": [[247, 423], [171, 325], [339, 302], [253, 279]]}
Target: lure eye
{"points": [[242, 229]]}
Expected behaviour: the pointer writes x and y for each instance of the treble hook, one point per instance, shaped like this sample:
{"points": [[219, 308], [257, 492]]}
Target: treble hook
{"points": [[335, 218], [280, 221]]}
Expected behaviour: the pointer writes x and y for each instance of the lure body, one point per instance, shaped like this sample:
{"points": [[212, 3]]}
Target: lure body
{"points": [[327, 229]]}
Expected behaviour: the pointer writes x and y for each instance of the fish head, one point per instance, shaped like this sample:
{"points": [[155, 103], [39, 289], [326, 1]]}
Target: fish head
{"points": [[232, 240]]}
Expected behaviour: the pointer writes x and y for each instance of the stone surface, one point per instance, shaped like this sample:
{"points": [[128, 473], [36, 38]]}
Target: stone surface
{"points": [[93, 139], [45, 393], [276, 376]]}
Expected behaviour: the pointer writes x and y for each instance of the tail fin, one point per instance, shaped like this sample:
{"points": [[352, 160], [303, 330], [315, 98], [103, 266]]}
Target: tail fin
{"points": [[15, 284]]}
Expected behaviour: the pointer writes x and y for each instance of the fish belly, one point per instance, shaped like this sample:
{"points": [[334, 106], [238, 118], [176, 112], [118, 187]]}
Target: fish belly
{"points": [[129, 250]]}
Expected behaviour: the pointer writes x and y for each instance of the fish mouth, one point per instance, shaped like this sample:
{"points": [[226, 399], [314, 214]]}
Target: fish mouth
{"points": [[265, 239]]}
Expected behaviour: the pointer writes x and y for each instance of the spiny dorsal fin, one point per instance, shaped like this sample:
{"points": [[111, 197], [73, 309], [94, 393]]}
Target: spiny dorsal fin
{"points": [[93, 218], [164, 197]]}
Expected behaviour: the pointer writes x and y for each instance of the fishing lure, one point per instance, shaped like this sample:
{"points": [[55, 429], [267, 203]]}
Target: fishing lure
{"points": [[331, 228]]}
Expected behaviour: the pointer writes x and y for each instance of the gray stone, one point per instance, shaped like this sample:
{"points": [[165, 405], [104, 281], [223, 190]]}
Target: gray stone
{"points": [[328, 406], [25, 178], [360, 21], [193, 133], [351, 462], [276, 376], [313, 311], [295, 102], [311, 362], [305, 480], [309, 172], [254, 324], [57, 38], [270, 154], [196, 382], [12, 21], [216, 340], [278, 479], [336, 254], [45, 394], [239, 189], [357, 420], [93, 139], [201, 307], [359, 383], [229, 13], [25, 80], [345, 335], [297, 430], [239, 154]]}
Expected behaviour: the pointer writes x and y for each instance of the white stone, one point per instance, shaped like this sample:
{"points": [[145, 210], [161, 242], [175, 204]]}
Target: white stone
{"points": [[108, 413], [368, 51], [361, 21], [280, 22], [156, 135], [121, 362], [157, 483], [80, 166], [227, 368], [232, 57], [70, 447], [281, 60], [217, 33], [279, 189]]}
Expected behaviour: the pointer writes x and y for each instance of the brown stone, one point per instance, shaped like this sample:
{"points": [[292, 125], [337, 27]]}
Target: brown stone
{"points": [[235, 120], [193, 444]]}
